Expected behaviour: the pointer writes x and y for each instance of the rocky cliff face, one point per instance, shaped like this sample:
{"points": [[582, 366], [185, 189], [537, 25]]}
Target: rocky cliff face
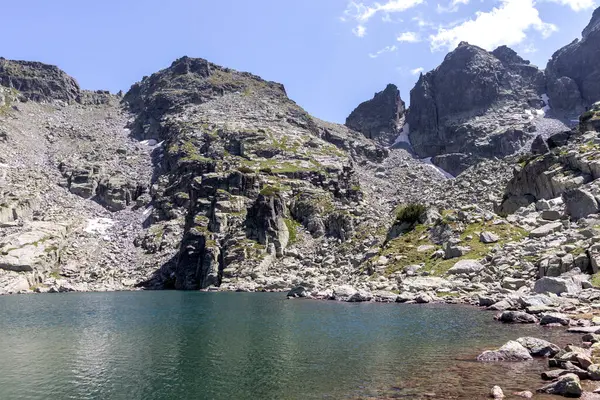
{"points": [[573, 72], [380, 118], [475, 105]]}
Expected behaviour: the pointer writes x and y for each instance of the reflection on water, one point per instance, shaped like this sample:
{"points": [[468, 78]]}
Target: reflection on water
{"points": [[175, 345]]}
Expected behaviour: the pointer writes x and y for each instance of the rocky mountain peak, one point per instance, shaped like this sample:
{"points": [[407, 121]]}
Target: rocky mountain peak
{"points": [[593, 25], [380, 118], [189, 81], [573, 75], [474, 105], [509, 56], [38, 81]]}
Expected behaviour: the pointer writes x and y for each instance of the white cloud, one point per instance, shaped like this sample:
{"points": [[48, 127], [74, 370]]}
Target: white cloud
{"points": [[360, 31], [452, 7], [506, 24], [387, 49], [408, 37], [362, 13], [528, 48], [417, 71], [576, 5], [421, 22]]}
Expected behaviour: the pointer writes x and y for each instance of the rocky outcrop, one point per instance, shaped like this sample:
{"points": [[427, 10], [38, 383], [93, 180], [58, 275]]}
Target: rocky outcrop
{"points": [[473, 106], [573, 72], [561, 172], [37, 81], [380, 118]]}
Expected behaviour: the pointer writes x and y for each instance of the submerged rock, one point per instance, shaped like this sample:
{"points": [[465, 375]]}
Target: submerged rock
{"points": [[511, 351]]}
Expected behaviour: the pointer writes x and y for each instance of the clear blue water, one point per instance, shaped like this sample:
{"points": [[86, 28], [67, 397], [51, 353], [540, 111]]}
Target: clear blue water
{"points": [[183, 345]]}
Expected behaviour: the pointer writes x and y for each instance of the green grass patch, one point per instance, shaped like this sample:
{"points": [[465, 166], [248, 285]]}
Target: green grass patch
{"points": [[292, 227], [406, 246]]}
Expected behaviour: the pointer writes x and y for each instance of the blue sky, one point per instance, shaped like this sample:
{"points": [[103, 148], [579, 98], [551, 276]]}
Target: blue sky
{"points": [[330, 54]]}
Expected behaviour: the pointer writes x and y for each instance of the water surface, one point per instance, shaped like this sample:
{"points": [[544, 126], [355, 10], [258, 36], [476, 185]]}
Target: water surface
{"points": [[184, 345]]}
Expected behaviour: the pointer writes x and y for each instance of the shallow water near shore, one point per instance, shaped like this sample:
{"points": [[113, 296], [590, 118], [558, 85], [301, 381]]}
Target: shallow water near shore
{"points": [[183, 345]]}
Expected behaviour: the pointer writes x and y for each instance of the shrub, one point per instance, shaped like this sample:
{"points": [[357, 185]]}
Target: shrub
{"points": [[410, 213]]}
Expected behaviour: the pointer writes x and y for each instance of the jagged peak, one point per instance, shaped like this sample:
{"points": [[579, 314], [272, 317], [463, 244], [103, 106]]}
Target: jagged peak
{"points": [[509, 56], [594, 23]]}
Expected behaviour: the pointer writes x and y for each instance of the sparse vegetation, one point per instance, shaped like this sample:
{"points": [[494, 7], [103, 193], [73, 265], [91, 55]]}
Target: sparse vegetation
{"points": [[410, 213]]}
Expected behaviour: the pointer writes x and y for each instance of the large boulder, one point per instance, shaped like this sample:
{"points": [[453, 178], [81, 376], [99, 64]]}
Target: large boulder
{"points": [[557, 286], [511, 351], [380, 118], [567, 385], [580, 203], [539, 347], [465, 267], [517, 317]]}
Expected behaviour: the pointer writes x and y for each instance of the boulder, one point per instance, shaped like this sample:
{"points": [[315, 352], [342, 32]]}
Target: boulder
{"points": [[488, 237], [567, 385], [299, 291], [511, 351], [517, 317], [344, 292], [555, 318], [580, 203], [556, 285], [539, 146], [539, 347], [465, 267], [497, 393], [546, 230]]}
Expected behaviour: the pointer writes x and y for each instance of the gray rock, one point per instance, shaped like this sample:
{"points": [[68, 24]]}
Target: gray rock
{"points": [[546, 230], [555, 318], [539, 347], [488, 237], [511, 351], [465, 267], [518, 317], [344, 292], [567, 385], [580, 203], [556, 286], [539, 146]]}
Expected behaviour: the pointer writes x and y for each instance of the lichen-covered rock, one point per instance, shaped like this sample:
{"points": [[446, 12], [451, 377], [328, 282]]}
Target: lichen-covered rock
{"points": [[567, 385]]}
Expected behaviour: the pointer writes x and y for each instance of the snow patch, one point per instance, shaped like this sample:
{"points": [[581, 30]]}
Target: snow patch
{"points": [[403, 136], [445, 174], [99, 225], [149, 142], [147, 211], [547, 101]]}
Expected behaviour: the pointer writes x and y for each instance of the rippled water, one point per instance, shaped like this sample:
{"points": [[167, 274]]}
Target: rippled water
{"points": [[175, 345]]}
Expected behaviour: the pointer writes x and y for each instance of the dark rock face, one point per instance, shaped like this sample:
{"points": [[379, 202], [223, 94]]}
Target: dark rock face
{"points": [[573, 72], [473, 105], [381, 118], [37, 81]]}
